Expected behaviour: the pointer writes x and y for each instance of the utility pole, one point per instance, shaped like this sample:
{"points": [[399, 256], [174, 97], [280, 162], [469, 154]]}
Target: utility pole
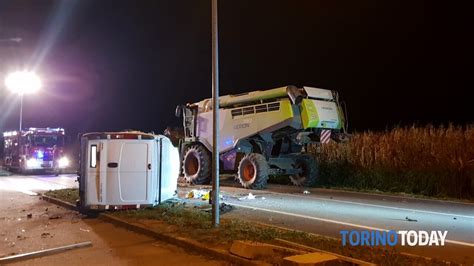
{"points": [[215, 117], [21, 111]]}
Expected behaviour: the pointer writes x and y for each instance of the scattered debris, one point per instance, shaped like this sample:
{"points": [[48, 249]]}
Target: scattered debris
{"points": [[206, 196], [55, 217], [84, 230], [29, 215], [410, 220], [250, 196], [306, 192], [200, 194], [201, 206], [225, 208], [190, 195], [41, 253], [196, 193]]}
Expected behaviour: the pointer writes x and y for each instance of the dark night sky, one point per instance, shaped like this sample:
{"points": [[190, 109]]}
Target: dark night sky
{"points": [[127, 64]]}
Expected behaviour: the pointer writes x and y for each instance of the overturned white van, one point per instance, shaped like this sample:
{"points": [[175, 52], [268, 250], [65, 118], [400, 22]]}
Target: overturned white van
{"points": [[129, 169]]}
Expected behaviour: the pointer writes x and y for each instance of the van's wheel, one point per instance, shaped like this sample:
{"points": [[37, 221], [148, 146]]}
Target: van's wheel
{"points": [[253, 171], [197, 165], [309, 171]]}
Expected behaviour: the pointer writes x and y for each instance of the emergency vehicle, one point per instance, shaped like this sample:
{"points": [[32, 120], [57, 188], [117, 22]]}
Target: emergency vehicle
{"points": [[35, 149]]}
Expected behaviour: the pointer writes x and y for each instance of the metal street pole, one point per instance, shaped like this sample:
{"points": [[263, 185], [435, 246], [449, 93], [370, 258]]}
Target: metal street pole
{"points": [[21, 110], [215, 117]]}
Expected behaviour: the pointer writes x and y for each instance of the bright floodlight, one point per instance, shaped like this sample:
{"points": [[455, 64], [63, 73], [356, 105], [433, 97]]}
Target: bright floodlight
{"points": [[22, 82]]}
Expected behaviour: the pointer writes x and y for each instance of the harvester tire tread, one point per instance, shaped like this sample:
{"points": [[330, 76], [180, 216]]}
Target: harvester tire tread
{"points": [[203, 173], [309, 176], [261, 168]]}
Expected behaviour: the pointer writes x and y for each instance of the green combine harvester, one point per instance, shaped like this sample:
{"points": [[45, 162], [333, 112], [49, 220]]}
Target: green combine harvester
{"points": [[262, 134]]}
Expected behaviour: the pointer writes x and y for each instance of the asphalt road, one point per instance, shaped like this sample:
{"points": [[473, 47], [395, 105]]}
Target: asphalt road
{"points": [[31, 184], [326, 212], [28, 224]]}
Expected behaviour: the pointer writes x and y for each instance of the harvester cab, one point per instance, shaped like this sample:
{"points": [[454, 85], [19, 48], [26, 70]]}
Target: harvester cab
{"points": [[263, 133]]}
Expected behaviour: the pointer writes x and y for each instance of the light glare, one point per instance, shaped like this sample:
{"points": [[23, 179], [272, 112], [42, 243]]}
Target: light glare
{"points": [[63, 162], [22, 82]]}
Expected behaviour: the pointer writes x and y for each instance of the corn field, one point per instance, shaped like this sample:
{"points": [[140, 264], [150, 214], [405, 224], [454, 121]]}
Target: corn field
{"points": [[433, 161]]}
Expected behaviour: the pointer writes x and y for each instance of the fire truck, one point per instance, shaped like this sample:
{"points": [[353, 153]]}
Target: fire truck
{"points": [[35, 149]]}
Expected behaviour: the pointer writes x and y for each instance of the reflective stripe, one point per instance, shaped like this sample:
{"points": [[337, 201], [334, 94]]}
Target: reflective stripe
{"points": [[325, 136]]}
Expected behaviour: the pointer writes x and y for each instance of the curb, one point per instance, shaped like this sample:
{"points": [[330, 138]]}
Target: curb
{"points": [[61, 203], [177, 241]]}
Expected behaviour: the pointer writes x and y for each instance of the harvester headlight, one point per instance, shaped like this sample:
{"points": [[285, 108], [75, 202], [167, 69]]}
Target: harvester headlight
{"points": [[63, 162]]}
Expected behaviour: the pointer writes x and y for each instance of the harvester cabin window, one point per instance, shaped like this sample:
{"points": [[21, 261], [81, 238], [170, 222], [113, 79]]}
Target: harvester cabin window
{"points": [[93, 156]]}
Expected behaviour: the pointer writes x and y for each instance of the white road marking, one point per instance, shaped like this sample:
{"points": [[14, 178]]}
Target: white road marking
{"points": [[377, 206], [336, 222], [396, 196]]}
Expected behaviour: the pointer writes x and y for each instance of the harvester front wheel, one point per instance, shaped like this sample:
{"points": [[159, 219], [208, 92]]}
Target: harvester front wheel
{"points": [[309, 171], [197, 165], [253, 171]]}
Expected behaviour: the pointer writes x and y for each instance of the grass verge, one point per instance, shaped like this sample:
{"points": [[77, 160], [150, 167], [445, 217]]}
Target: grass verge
{"points": [[70, 195]]}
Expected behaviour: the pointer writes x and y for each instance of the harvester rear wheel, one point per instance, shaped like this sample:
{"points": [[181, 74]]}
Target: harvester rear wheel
{"points": [[253, 171], [309, 172], [197, 165]]}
